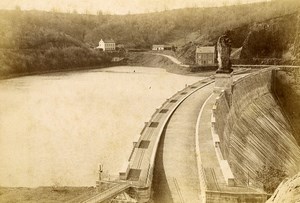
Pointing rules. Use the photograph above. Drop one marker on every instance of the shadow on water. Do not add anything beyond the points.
(160, 187)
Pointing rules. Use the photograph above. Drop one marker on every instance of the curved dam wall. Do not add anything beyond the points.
(253, 129)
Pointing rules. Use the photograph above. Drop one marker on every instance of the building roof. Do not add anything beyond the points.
(210, 49)
(108, 40)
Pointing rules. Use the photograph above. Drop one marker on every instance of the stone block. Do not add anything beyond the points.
(124, 172)
(227, 173)
(223, 81)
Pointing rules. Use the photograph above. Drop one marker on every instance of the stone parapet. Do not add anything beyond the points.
(223, 81)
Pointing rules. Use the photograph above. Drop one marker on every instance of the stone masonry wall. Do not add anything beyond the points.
(253, 129)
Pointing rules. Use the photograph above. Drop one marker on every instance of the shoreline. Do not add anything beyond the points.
(83, 68)
(150, 59)
(168, 68)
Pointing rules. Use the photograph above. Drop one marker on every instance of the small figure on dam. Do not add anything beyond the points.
(224, 51)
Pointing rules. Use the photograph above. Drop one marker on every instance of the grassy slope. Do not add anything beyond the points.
(147, 59)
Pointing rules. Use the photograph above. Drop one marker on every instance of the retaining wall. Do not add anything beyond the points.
(228, 197)
(253, 130)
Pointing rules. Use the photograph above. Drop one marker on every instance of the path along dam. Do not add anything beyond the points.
(206, 145)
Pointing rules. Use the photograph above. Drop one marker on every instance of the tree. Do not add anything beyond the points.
(270, 177)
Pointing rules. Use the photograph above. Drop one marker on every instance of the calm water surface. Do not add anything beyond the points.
(55, 129)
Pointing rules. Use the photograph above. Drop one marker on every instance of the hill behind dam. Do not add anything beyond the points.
(272, 41)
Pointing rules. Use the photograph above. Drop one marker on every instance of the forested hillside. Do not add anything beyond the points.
(25, 29)
(270, 39)
(34, 40)
(274, 38)
(28, 44)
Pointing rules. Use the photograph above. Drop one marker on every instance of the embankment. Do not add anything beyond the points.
(253, 129)
(22, 62)
(148, 59)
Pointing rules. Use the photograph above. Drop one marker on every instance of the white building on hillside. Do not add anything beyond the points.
(107, 45)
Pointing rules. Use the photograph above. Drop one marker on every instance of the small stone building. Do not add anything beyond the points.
(205, 55)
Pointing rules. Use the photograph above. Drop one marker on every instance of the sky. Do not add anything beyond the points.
(114, 6)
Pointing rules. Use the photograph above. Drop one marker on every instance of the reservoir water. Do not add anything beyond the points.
(56, 128)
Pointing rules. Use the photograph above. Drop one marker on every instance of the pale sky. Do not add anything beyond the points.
(114, 6)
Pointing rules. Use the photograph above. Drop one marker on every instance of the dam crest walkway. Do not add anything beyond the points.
(189, 165)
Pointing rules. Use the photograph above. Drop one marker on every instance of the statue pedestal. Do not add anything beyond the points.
(223, 81)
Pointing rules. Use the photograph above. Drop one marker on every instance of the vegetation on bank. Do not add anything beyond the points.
(18, 62)
(270, 177)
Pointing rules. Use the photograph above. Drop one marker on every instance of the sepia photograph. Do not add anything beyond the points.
(150, 101)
